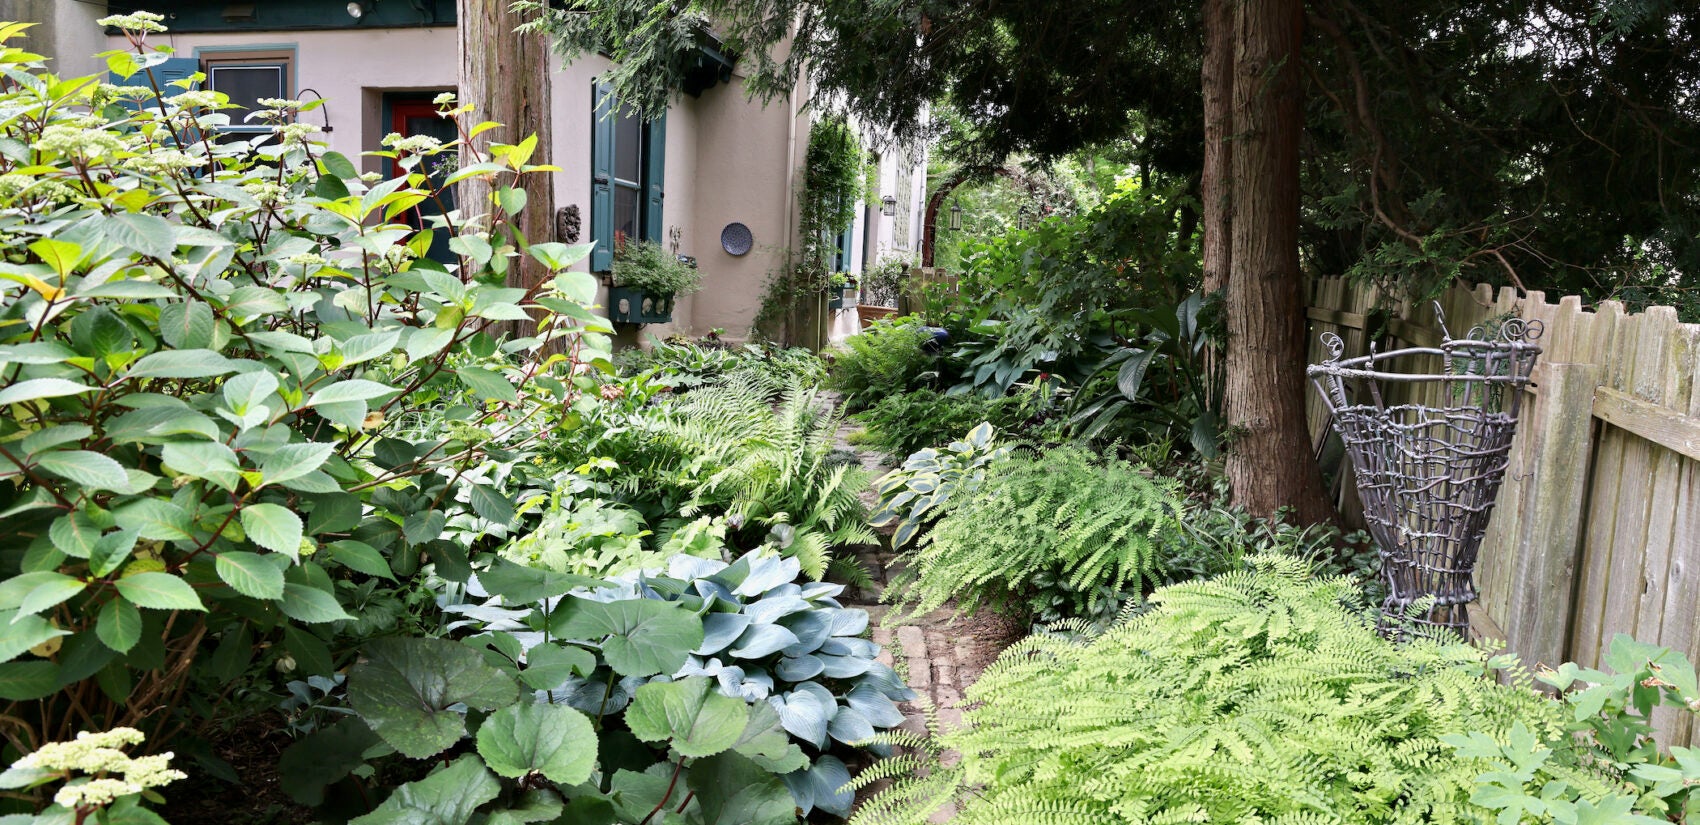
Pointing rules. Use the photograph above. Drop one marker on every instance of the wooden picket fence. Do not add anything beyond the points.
(1597, 528)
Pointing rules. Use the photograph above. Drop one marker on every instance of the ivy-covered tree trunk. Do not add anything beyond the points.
(505, 76)
(1269, 462)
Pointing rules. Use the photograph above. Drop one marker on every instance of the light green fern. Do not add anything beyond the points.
(1258, 696)
(769, 465)
(1056, 525)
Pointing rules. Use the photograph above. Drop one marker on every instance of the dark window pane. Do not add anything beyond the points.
(628, 147)
(627, 204)
(246, 85)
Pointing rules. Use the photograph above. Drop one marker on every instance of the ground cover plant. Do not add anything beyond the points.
(237, 393)
(1269, 695)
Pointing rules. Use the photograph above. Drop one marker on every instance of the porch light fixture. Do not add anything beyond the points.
(955, 215)
(888, 206)
(357, 9)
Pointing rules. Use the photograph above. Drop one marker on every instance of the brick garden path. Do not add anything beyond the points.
(941, 653)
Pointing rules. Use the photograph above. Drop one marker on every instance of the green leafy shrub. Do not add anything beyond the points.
(1059, 533)
(588, 536)
(905, 422)
(647, 266)
(213, 361)
(917, 493)
(686, 365)
(888, 357)
(1262, 695)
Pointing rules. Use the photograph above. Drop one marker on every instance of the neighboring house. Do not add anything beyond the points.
(715, 159)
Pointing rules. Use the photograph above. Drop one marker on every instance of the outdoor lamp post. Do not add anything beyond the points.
(955, 215)
(888, 206)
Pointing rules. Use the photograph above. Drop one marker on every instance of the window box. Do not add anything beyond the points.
(634, 306)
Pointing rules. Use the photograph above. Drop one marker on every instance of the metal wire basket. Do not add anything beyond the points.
(1428, 474)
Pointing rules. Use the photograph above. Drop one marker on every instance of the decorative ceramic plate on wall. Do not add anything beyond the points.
(736, 239)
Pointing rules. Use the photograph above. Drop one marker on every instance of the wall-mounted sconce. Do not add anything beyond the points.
(358, 9)
(888, 206)
(955, 215)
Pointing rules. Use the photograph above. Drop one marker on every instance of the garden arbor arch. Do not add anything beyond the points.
(967, 174)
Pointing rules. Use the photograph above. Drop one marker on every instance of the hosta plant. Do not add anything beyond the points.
(213, 357)
(917, 494)
(765, 640)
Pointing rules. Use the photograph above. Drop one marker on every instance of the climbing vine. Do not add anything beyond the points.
(833, 180)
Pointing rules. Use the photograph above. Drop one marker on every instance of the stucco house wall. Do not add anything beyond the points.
(728, 158)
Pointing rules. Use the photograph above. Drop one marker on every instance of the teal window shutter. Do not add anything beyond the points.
(172, 68)
(602, 177)
(654, 176)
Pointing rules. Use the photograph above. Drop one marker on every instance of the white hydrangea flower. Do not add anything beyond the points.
(279, 103)
(94, 793)
(138, 21)
(264, 191)
(295, 132)
(306, 259)
(71, 140)
(417, 144)
(195, 99)
(164, 160)
(444, 99)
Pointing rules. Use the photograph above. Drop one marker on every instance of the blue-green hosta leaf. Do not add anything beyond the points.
(806, 711)
(762, 640)
(639, 637)
(874, 706)
(850, 646)
(812, 628)
(772, 608)
(849, 726)
(799, 668)
(719, 630)
(690, 715)
(850, 621)
(766, 573)
(273, 527)
(405, 688)
(555, 741)
(447, 797)
(160, 591)
(250, 574)
(822, 786)
(845, 667)
(886, 681)
(89, 469)
(732, 790)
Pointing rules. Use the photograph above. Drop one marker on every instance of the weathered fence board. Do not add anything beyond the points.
(1597, 530)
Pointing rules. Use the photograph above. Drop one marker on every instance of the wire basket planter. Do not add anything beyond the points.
(1428, 475)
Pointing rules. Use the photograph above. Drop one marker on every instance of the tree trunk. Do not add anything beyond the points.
(1218, 151)
(505, 76)
(1269, 464)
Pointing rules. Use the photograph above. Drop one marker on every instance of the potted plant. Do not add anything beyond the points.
(646, 280)
(838, 284)
(881, 284)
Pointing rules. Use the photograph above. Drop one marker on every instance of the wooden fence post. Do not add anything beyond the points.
(1537, 618)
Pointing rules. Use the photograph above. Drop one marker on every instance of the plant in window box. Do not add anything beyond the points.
(646, 280)
(838, 284)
